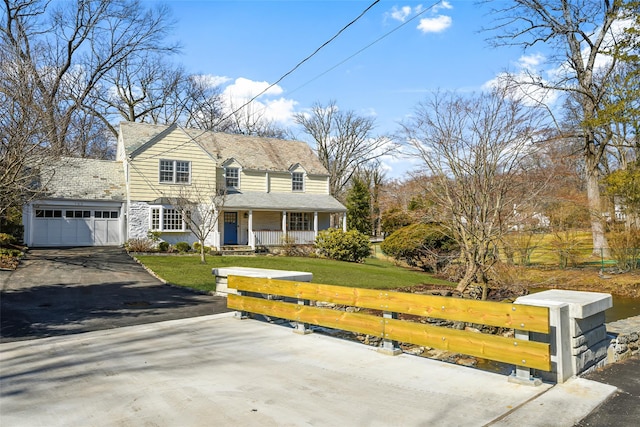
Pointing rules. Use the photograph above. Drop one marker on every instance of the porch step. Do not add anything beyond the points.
(237, 250)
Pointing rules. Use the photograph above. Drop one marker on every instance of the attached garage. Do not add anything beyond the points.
(82, 205)
(75, 226)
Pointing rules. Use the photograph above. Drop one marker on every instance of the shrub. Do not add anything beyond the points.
(625, 248)
(394, 219)
(163, 246)
(426, 246)
(7, 239)
(11, 252)
(183, 247)
(8, 262)
(139, 245)
(351, 246)
(196, 248)
(566, 244)
(154, 236)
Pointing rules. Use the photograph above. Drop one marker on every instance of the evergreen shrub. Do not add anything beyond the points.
(182, 247)
(426, 246)
(351, 246)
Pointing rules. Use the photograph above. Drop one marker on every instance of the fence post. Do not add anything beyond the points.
(389, 347)
(523, 375)
(240, 314)
(301, 327)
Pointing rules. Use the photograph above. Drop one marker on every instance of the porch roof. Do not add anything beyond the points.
(283, 202)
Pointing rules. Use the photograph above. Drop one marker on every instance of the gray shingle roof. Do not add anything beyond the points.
(252, 152)
(77, 178)
(283, 201)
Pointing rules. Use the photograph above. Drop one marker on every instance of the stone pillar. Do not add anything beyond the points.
(578, 336)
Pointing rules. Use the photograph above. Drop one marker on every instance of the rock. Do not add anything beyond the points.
(467, 361)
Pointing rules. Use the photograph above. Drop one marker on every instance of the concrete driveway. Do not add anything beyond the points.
(64, 291)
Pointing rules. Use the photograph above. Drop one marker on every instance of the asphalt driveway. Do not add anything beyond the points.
(65, 291)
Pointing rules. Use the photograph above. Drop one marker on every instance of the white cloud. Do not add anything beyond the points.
(525, 86)
(280, 110)
(210, 80)
(530, 62)
(441, 5)
(435, 25)
(242, 90)
(246, 89)
(400, 14)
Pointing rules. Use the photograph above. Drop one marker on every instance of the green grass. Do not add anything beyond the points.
(187, 271)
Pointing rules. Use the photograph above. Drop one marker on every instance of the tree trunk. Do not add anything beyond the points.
(469, 275)
(600, 245)
(203, 259)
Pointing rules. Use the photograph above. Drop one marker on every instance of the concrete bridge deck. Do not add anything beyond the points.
(217, 370)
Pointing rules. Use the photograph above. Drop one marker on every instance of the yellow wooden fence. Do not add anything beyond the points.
(520, 352)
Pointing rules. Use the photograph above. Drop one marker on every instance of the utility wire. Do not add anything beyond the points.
(304, 60)
(194, 138)
(365, 47)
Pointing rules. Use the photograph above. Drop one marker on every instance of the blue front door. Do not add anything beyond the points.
(231, 228)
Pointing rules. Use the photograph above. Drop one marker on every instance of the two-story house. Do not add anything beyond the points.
(272, 188)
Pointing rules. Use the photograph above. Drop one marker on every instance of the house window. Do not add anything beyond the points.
(174, 172)
(300, 221)
(77, 214)
(297, 181)
(106, 214)
(48, 213)
(166, 219)
(232, 177)
(172, 220)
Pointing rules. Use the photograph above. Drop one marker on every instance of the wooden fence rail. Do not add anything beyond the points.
(520, 352)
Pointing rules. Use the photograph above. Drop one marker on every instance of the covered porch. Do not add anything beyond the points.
(270, 219)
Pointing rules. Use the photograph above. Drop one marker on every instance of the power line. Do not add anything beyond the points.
(365, 47)
(304, 60)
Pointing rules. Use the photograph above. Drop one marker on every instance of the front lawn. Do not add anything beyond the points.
(186, 270)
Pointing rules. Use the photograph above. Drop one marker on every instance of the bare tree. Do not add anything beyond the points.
(21, 151)
(250, 120)
(343, 141)
(476, 152)
(67, 48)
(373, 175)
(204, 105)
(580, 32)
(200, 206)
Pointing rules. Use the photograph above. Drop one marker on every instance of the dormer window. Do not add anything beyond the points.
(232, 177)
(174, 172)
(297, 181)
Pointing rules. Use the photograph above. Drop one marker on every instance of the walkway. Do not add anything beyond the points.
(217, 370)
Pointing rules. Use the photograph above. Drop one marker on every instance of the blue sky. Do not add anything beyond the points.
(247, 45)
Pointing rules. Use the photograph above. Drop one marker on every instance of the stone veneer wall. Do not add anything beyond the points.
(625, 339)
(139, 226)
(589, 343)
(138, 220)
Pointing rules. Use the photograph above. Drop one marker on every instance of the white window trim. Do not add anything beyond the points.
(175, 172)
(225, 177)
(304, 182)
(310, 221)
(160, 228)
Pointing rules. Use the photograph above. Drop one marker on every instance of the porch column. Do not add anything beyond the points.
(315, 224)
(252, 237)
(216, 228)
(344, 222)
(284, 223)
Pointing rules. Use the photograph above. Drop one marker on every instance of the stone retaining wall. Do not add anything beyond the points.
(625, 339)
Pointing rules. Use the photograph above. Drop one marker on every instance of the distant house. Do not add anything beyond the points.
(273, 188)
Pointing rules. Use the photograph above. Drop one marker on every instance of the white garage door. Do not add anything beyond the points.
(73, 226)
